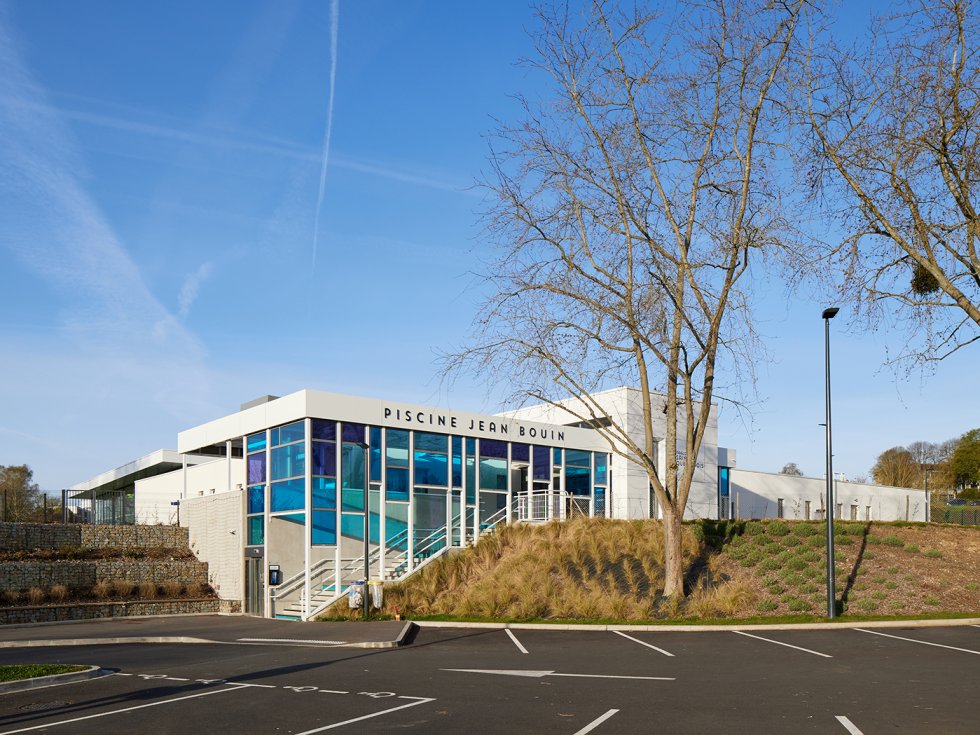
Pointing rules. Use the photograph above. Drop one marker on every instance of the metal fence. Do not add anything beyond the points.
(961, 515)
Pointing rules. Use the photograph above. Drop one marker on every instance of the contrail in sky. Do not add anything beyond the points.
(334, 24)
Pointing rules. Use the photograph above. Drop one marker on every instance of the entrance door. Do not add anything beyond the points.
(254, 587)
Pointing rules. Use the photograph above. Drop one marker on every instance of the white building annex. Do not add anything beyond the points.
(290, 486)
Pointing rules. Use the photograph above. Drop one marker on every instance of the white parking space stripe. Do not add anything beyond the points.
(596, 722)
(780, 643)
(644, 643)
(291, 640)
(516, 642)
(366, 717)
(119, 711)
(913, 640)
(848, 725)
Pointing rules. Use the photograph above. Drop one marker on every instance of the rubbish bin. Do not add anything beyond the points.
(355, 595)
(376, 586)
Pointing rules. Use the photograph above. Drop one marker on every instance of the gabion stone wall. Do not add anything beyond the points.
(23, 536)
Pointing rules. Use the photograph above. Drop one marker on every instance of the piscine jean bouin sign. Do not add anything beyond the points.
(502, 428)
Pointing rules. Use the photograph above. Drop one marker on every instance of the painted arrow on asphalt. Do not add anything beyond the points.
(540, 674)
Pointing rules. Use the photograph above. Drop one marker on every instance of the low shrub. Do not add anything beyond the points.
(102, 590)
(778, 528)
(773, 548)
(912, 548)
(148, 591)
(816, 542)
(892, 570)
(790, 540)
(973, 586)
(172, 589)
(11, 597)
(810, 556)
(930, 600)
(814, 572)
(879, 595)
(873, 540)
(58, 593)
(866, 605)
(842, 540)
(797, 563)
(893, 541)
(196, 589)
(35, 595)
(775, 588)
(766, 606)
(755, 528)
(793, 579)
(868, 555)
(934, 553)
(797, 604)
(890, 585)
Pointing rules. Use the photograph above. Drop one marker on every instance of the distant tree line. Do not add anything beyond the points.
(952, 465)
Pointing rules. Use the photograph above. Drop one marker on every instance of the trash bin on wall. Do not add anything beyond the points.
(376, 587)
(355, 595)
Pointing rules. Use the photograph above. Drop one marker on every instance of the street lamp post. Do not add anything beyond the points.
(829, 314)
(367, 526)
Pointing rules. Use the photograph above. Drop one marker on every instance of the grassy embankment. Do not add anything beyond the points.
(593, 570)
(30, 671)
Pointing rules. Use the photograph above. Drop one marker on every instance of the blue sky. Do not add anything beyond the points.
(159, 181)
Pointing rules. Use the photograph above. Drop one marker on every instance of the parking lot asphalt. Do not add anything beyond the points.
(216, 628)
(500, 681)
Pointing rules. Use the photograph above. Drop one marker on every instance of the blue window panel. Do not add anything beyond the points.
(558, 454)
(493, 474)
(577, 480)
(255, 442)
(325, 459)
(599, 506)
(289, 461)
(323, 430)
(493, 448)
(352, 432)
(352, 499)
(426, 442)
(324, 493)
(294, 432)
(397, 483)
(323, 531)
(430, 469)
(352, 526)
(352, 466)
(375, 442)
(396, 526)
(256, 499)
(578, 458)
(520, 452)
(600, 468)
(542, 466)
(470, 447)
(288, 495)
(397, 456)
(723, 481)
(397, 439)
(471, 480)
(256, 468)
(297, 518)
(457, 461)
(256, 531)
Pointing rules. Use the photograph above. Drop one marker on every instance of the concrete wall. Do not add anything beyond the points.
(216, 532)
(154, 495)
(756, 495)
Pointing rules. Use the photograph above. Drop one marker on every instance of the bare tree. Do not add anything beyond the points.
(627, 207)
(894, 126)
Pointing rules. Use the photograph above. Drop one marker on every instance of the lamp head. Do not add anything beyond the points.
(830, 313)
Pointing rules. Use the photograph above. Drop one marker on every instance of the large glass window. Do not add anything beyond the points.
(520, 452)
(256, 499)
(288, 495)
(542, 463)
(323, 430)
(600, 468)
(375, 436)
(289, 433)
(324, 492)
(396, 447)
(577, 480)
(457, 461)
(325, 458)
(430, 468)
(256, 531)
(397, 483)
(324, 527)
(255, 442)
(256, 468)
(493, 473)
(289, 461)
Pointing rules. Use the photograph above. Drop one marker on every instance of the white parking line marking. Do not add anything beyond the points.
(596, 722)
(780, 643)
(848, 725)
(332, 691)
(367, 717)
(975, 626)
(243, 684)
(290, 640)
(119, 711)
(644, 643)
(540, 674)
(913, 640)
(516, 642)
(176, 678)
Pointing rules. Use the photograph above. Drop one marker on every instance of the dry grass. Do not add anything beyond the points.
(172, 589)
(149, 591)
(35, 595)
(582, 568)
(11, 597)
(123, 587)
(102, 590)
(58, 593)
(196, 589)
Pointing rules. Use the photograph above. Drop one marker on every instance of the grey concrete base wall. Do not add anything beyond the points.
(88, 611)
(21, 575)
(22, 536)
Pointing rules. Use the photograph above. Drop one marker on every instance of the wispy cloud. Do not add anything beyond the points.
(191, 288)
(334, 34)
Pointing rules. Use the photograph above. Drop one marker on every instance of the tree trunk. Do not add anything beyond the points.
(673, 552)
